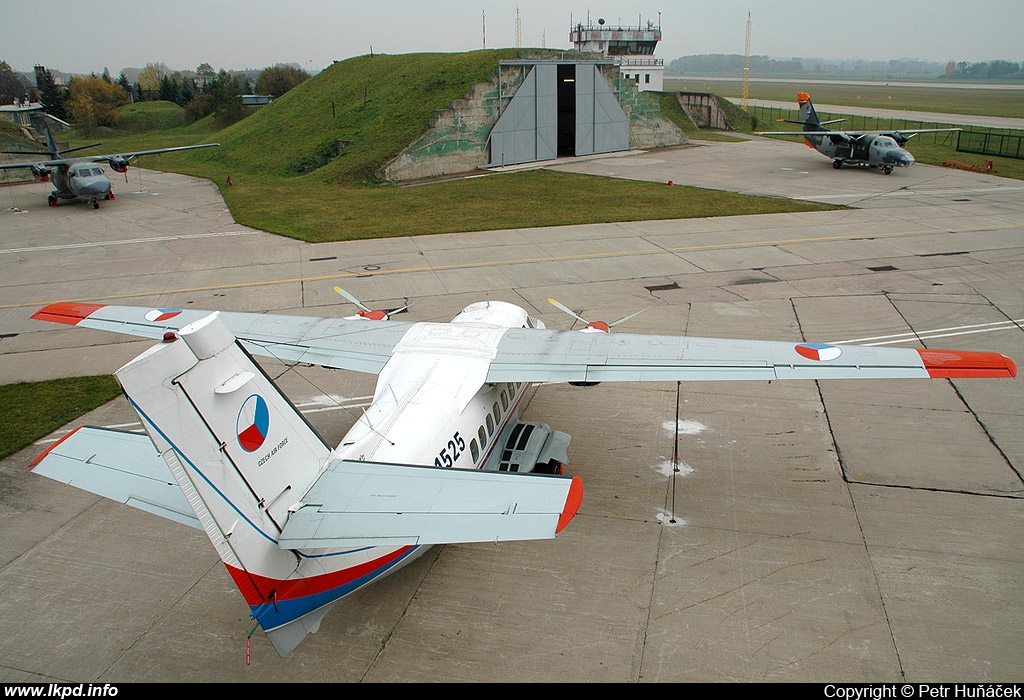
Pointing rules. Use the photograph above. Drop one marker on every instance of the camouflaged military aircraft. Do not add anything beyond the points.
(81, 177)
(875, 149)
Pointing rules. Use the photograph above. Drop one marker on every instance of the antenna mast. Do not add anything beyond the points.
(746, 67)
(519, 26)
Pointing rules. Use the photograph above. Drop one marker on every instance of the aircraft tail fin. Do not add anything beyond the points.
(808, 117)
(51, 143)
(241, 455)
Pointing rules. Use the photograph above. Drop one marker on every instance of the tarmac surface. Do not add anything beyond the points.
(748, 532)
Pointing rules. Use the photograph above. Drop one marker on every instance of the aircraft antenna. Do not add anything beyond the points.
(746, 66)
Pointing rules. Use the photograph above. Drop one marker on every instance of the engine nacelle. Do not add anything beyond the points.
(118, 164)
(40, 172)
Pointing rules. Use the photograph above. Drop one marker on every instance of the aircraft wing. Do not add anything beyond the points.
(111, 158)
(911, 132)
(353, 504)
(35, 163)
(353, 344)
(129, 155)
(573, 356)
(533, 355)
(846, 135)
(854, 135)
(122, 466)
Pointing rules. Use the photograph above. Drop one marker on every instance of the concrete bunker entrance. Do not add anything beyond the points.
(557, 109)
(566, 82)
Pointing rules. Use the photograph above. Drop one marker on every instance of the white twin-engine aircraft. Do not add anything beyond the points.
(439, 456)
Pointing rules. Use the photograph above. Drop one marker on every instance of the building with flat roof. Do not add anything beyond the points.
(21, 113)
(631, 48)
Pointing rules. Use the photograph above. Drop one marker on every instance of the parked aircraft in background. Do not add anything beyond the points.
(876, 149)
(83, 176)
(441, 454)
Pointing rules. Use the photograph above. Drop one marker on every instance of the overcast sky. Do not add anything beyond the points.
(87, 36)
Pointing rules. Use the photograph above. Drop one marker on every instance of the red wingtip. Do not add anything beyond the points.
(946, 364)
(572, 504)
(67, 312)
(51, 448)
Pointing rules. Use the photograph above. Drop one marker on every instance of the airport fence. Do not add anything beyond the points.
(1008, 143)
(993, 142)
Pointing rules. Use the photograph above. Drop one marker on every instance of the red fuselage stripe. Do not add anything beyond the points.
(298, 588)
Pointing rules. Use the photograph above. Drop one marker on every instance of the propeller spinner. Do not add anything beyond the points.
(593, 326)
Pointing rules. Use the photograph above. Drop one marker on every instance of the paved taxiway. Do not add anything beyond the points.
(859, 531)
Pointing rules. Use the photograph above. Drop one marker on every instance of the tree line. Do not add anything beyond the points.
(92, 101)
(762, 66)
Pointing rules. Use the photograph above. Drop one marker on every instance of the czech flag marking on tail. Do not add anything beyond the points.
(253, 423)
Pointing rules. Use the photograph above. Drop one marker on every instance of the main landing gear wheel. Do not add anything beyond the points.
(887, 170)
(52, 200)
(837, 164)
(95, 203)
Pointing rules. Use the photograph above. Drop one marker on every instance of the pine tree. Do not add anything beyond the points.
(51, 96)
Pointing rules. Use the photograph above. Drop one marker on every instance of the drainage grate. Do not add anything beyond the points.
(662, 287)
(883, 268)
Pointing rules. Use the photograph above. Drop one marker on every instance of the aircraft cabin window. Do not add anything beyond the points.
(496, 413)
(490, 425)
(483, 437)
(504, 400)
(474, 450)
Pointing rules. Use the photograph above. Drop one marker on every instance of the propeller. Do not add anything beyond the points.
(901, 139)
(593, 326)
(367, 312)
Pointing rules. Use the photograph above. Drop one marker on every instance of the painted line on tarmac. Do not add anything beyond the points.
(935, 333)
(657, 250)
(907, 193)
(101, 244)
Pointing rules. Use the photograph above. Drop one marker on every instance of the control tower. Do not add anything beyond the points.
(631, 48)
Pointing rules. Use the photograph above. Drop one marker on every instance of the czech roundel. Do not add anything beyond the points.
(253, 423)
(161, 314)
(818, 352)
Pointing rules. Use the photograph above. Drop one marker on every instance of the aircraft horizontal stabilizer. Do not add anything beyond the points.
(121, 466)
(362, 503)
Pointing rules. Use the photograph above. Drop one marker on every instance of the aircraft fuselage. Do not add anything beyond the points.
(879, 151)
(432, 406)
(86, 180)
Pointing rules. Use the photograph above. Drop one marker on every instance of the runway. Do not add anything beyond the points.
(784, 532)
